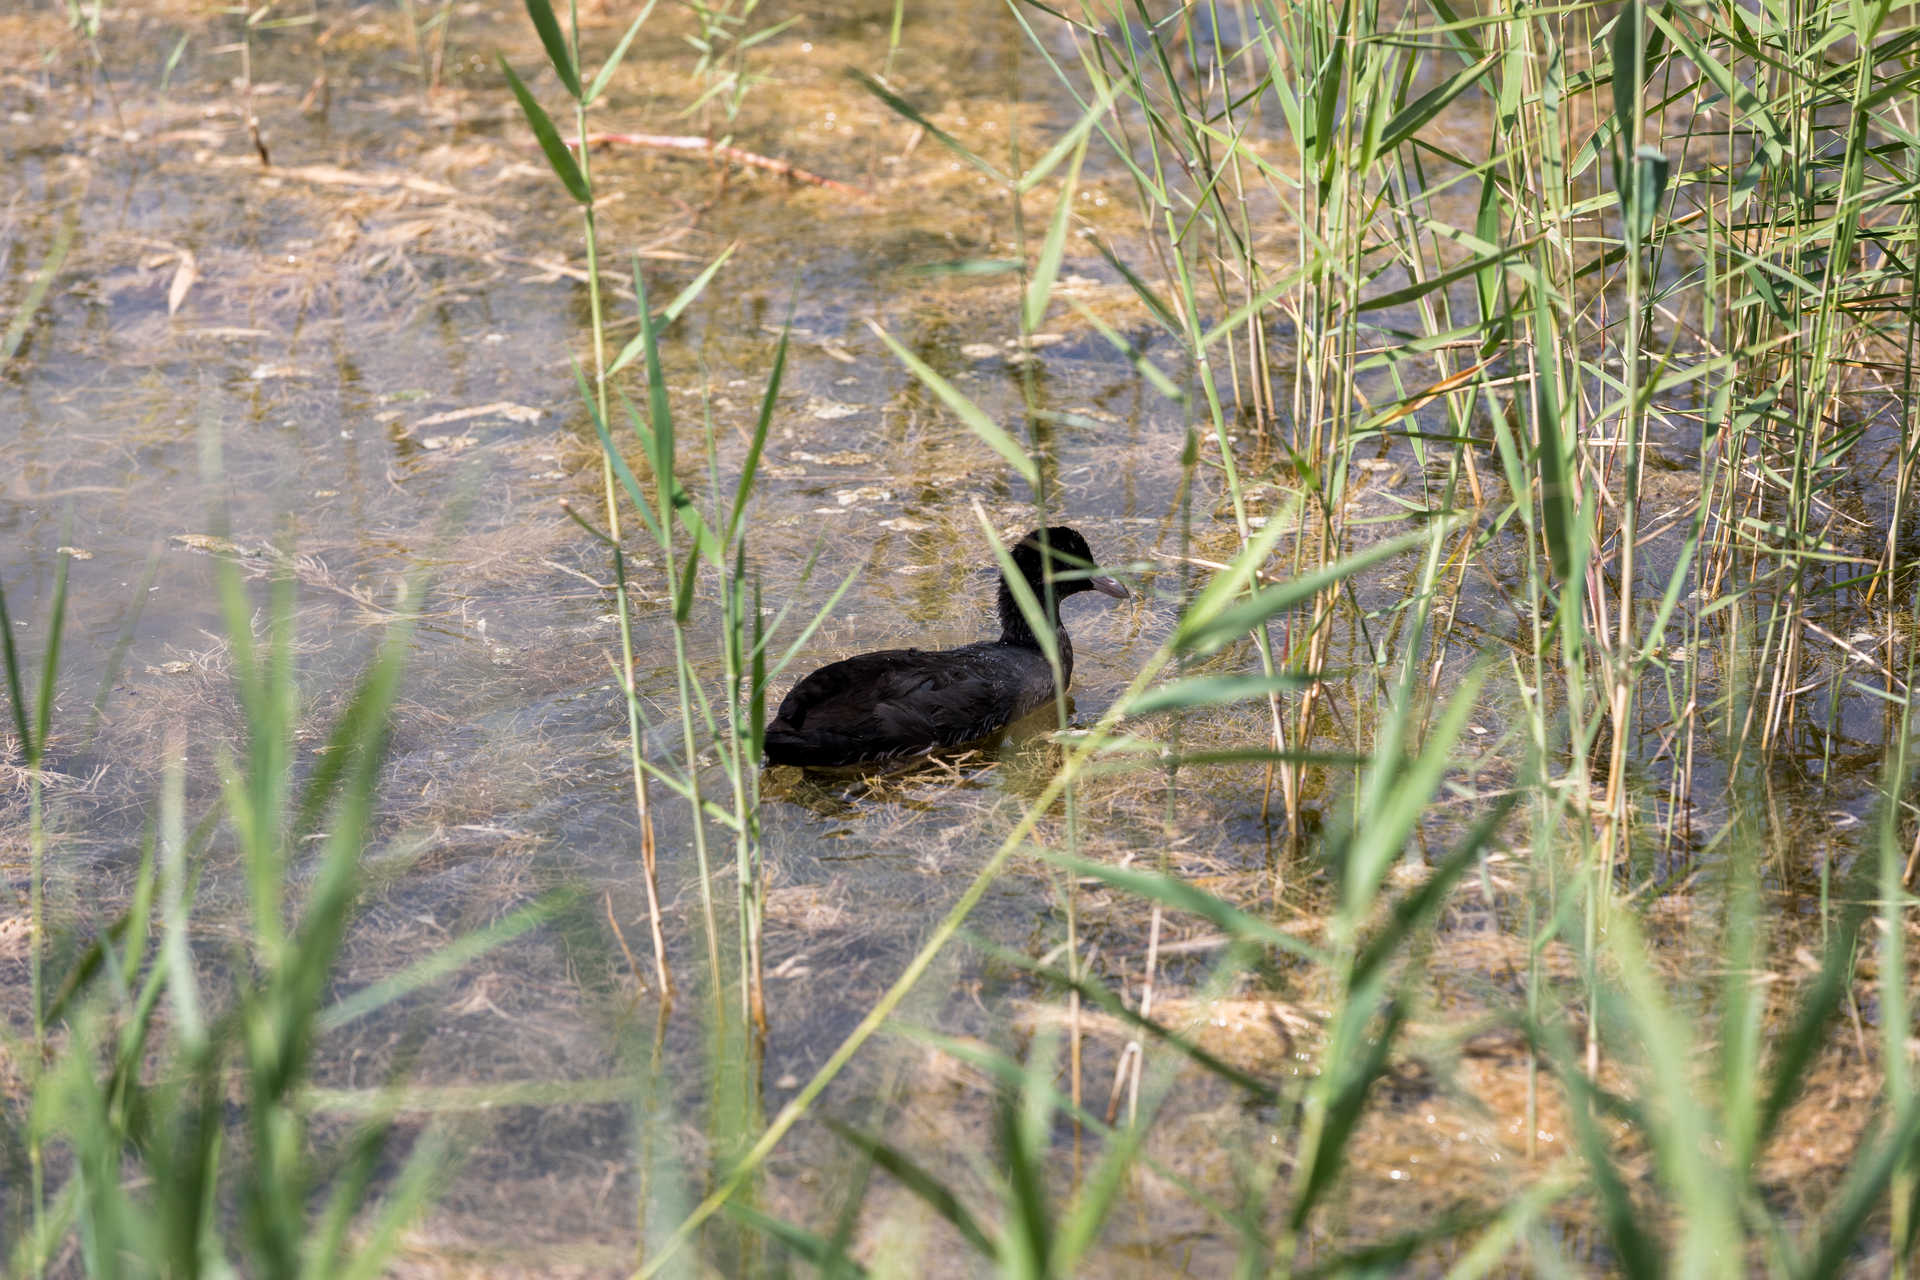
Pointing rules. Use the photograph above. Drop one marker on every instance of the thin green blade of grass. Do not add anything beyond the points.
(1329, 87)
(621, 471)
(670, 494)
(1009, 1074)
(1893, 979)
(1419, 113)
(971, 267)
(559, 158)
(1205, 204)
(419, 1181)
(1245, 567)
(1353, 1062)
(636, 345)
(1440, 280)
(853, 1203)
(326, 1244)
(15, 700)
(175, 958)
(806, 633)
(37, 289)
(1149, 298)
(656, 433)
(173, 61)
(1394, 1256)
(762, 423)
(456, 1099)
(1684, 1138)
(658, 436)
(1387, 75)
(1235, 321)
(1368, 1019)
(976, 420)
(1212, 622)
(1492, 1250)
(1137, 358)
(1638, 1253)
(1021, 1124)
(1143, 753)
(612, 64)
(189, 1154)
(757, 678)
(255, 791)
(445, 960)
(1220, 691)
(554, 41)
(1095, 76)
(1628, 68)
(1073, 142)
(1792, 1052)
(1743, 996)
(87, 966)
(901, 107)
(1047, 268)
(1412, 914)
(1178, 895)
(289, 1009)
(49, 662)
(1836, 1245)
(683, 588)
(1554, 453)
(766, 33)
(936, 1194)
(1097, 1193)
(1098, 995)
(132, 955)
(73, 1103)
(1023, 596)
(811, 1248)
(1394, 793)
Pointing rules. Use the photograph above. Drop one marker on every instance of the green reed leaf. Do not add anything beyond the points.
(558, 156)
(969, 413)
(762, 423)
(814, 1249)
(14, 697)
(1217, 691)
(637, 345)
(1178, 895)
(555, 40)
(1047, 268)
(937, 1195)
(42, 281)
(1416, 115)
(612, 63)
(902, 107)
(1212, 622)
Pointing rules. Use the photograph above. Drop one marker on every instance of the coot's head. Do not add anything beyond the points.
(1072, 563)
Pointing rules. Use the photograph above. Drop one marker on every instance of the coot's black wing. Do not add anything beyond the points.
(902, 702)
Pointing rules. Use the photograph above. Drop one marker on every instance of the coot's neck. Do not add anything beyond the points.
(1013, 622)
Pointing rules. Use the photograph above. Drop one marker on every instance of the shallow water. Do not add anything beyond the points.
(361, 358)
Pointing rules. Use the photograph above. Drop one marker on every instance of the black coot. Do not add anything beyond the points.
(905, 702)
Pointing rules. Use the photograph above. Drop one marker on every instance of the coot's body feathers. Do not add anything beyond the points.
(902, 702)
(905, 702)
